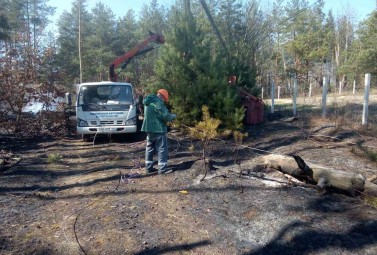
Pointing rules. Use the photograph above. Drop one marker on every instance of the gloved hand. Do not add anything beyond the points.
(173, 116)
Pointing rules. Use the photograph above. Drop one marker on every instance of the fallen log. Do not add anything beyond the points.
(325, 178)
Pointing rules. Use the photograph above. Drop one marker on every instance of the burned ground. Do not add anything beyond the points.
(65, 196)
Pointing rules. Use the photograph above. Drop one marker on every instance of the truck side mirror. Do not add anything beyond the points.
(68, 99)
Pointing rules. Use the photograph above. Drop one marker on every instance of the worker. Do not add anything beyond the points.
(156, 116)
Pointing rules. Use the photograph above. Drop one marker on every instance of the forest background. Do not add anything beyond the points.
(202, 50)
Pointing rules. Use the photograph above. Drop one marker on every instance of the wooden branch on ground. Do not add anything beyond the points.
(8, 160)
(325, 178)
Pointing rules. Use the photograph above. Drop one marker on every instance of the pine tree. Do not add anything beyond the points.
(364, 51)
(126, 37)
(98, 45)
(368, 35)
(68, 26)
(193, 73)
(152, 18)
(206, 130)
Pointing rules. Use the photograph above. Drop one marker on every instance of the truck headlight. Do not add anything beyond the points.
(82, 123)
(131, 121)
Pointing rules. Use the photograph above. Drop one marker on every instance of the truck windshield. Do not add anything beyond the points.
(105, 97)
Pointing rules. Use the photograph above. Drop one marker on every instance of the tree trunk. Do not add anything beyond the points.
(325, 178)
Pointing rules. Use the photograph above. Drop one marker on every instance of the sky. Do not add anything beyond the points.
(359, 8)
(119, 7)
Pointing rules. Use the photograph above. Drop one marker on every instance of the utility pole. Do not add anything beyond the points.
(80, 59)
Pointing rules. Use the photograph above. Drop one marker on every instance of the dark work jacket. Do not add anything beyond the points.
(156, 115)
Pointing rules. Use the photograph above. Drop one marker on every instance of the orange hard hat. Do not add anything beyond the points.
(164, 93)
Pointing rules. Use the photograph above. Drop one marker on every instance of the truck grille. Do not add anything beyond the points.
(106, 123)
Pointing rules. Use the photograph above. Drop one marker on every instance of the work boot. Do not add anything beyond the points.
(151, 171)
(166, 171)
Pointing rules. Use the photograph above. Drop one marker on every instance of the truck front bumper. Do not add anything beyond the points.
(107, 130)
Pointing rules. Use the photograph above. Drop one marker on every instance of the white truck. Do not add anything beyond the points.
(105, 107)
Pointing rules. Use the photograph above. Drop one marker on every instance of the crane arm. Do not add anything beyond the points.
(140, 49)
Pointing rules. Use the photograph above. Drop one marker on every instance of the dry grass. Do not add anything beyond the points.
(371, 201)
(54, 158)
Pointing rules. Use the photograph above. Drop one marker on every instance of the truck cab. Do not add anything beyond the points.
(106, 108)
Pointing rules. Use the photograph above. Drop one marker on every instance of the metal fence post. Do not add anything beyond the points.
(324, 96)
(272, 95)
(295, 94)
(310, 90)
(366, 99)
(279, 87)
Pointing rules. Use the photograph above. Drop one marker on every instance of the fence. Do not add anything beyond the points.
(309, 101)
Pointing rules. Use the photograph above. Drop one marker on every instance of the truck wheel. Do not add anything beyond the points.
(86, 138)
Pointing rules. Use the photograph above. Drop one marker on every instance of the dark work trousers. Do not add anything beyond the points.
(156, 143)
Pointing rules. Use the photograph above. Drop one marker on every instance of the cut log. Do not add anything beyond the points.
(325, 178)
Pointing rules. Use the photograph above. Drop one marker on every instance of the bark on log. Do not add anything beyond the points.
(325, 178)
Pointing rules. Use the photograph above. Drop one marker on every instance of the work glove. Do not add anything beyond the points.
(174, 116)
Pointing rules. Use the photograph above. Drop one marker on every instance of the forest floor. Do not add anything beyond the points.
(65, 196)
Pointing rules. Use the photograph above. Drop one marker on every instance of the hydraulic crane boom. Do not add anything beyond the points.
(126, 58)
